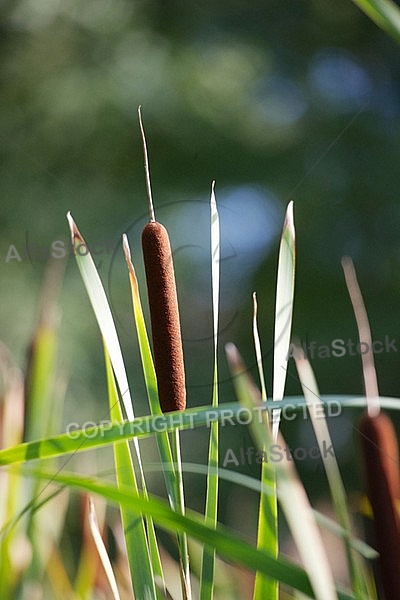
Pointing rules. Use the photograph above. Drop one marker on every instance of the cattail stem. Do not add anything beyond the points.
(146, 167)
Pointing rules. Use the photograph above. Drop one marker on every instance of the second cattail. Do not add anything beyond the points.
(164, 311)
(381, 469)
(380, 454)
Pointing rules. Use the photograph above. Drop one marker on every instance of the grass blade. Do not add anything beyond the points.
(211, 508)
(257, 347)
(106, 324)
(267, 539)
(254, 484)
(101, 549)
(180, 507)
(105, 321)
(227, 544)
(338, 494)
(283, 310)
(384, 13)
(364, 334)
(137, 544)
(292, 496)
(60, 583)
(43, 414)
(89, 559)
(99, 302)
(40, 376)
(11, 432)
(80, 440)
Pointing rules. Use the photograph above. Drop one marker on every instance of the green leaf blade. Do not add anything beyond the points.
(384, 13)
(137, 545)
(211, 507)
(267, 531)
(283, 310)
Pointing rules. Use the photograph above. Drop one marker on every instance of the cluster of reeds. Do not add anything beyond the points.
(33, 513)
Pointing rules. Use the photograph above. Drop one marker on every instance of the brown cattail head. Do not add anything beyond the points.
(164, 314)
(381, 463)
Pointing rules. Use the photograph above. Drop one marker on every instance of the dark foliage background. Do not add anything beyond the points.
(276, 101)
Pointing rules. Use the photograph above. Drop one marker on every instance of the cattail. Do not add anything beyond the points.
(380, 454)
(163, 302)
(381, 465)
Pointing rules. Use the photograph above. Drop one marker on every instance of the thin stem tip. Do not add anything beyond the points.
(146, 166)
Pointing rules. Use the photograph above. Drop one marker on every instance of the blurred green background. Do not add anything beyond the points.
(276, 101)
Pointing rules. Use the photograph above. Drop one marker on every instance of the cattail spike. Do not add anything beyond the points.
(146, 167)
(381, 471)
(163, 304)
(164, 315)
